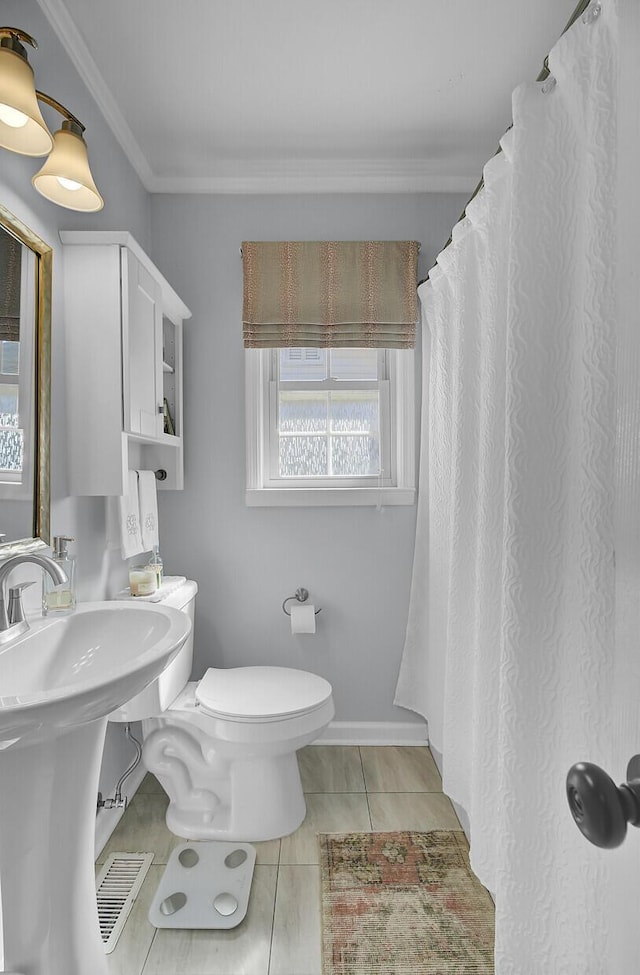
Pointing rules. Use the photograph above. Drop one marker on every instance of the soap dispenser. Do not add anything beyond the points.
(60, 599)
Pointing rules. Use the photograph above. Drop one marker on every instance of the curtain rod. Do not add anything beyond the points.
(544, 74)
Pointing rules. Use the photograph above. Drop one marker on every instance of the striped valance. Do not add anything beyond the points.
(338, 294)
(10, 268)
(9, 329)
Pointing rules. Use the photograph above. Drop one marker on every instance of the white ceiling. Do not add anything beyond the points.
(307, 95)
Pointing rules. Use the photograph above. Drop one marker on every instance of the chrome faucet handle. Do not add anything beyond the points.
(11, 626)
(15, 610)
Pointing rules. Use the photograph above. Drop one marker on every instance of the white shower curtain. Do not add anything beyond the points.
(511, 648)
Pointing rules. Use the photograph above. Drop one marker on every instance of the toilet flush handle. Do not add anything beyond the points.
(601, 809)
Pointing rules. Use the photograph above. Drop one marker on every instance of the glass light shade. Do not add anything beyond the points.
(22, 127)
(65, 178)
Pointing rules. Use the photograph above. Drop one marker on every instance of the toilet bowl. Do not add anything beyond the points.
(224, 748)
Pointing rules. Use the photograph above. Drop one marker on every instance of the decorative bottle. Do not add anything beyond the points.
(156, 565)
(61, 599)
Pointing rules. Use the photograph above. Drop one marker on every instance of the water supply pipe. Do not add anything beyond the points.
(118, 802)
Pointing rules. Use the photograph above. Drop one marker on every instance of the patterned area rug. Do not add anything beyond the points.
(403, 904)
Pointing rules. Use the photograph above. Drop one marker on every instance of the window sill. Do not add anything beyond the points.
(327, 497)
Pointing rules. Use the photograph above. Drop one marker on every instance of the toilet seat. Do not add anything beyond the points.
(260, 694)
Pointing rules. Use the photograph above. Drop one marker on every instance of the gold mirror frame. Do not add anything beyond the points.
(42, 387)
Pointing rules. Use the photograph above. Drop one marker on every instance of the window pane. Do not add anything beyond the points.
(303, 412)
(358, 415)
(9, 357)
(357, 456)
(303, 456)
(354, 365)
(9, 403)
(11, 443)
(355, 412)
(330, 432)
(300, 365)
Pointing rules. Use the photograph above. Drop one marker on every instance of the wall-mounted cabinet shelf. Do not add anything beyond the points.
(124, 364)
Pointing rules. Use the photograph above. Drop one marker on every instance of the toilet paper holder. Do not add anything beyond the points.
(301, 595)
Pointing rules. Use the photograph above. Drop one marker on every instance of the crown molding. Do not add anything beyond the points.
(319, 176)
(254, 176)
(73, 42)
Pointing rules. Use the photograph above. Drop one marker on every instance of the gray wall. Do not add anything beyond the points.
(355, 562)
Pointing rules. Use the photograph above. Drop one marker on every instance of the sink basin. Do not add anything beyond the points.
(74, 669)
(58, 683)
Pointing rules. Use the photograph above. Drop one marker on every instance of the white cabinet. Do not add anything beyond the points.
(142, 348)
(123, 332)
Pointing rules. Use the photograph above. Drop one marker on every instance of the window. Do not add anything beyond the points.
(11, 434)
(329, 407)
(330, 426)
(17, 376)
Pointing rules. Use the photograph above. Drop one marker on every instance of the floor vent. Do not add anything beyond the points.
(116, 889)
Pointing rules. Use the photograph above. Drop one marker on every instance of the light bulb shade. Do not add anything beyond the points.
(65, 178)
(29, 135)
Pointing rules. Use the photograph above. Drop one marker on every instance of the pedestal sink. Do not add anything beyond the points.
(58, 683)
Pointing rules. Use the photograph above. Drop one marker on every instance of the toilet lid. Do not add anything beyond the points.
(261, 693)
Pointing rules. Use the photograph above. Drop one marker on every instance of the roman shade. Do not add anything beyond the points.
(10, 264)
(330, 294)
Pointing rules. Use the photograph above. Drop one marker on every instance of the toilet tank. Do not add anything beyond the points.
(160, 693)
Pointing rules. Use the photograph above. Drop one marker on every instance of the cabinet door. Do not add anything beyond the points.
(142, 348)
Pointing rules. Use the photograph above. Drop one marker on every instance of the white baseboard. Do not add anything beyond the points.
(108, 819)
(375, 733)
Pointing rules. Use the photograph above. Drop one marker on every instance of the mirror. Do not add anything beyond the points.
(25, 386)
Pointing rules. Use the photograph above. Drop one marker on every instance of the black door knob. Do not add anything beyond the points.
(601, 809)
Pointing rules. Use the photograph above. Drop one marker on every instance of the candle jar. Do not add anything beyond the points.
(143, 581)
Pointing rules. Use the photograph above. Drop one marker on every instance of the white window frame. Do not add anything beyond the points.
(395, 488)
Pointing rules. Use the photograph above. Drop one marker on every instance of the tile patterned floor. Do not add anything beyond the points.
(346, 788)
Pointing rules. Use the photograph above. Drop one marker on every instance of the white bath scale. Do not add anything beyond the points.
(204, 885)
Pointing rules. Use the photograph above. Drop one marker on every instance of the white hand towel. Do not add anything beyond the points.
(130, 534)
(148, 500)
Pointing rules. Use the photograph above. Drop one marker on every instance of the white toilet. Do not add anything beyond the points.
(224, 748)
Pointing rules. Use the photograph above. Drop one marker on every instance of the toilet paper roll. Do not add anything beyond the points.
(303, 619)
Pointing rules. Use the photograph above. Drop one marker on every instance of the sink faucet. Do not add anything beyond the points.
(12, 621)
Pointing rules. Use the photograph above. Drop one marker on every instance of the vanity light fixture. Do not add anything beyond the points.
(65, 178)
(22, 127)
